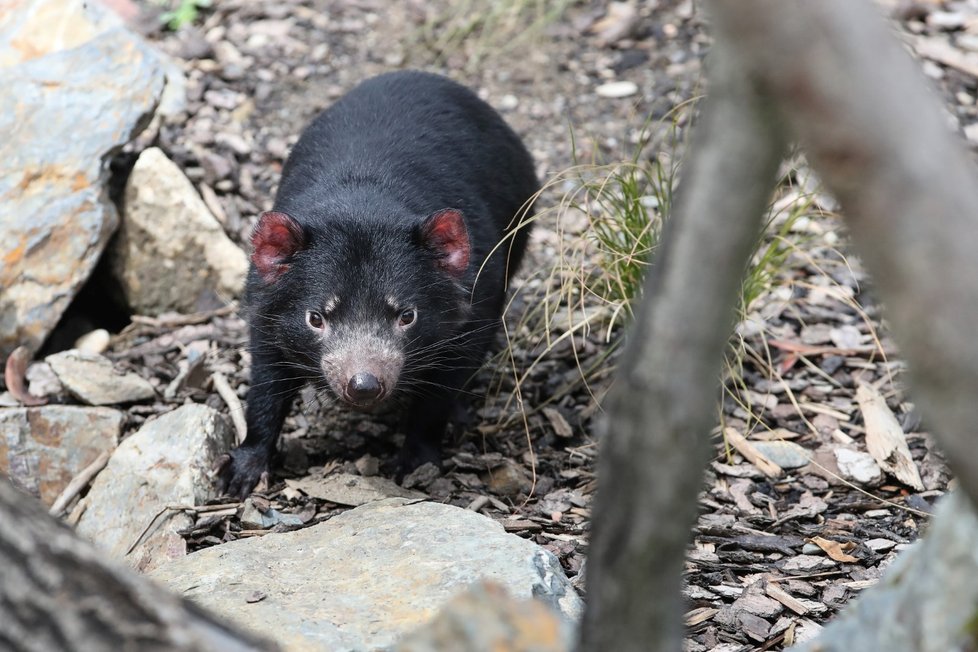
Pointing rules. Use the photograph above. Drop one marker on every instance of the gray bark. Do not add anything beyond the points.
(58, 592)
(876, 135)
(662, 406)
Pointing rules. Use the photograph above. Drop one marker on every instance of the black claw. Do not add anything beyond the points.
(241, 471)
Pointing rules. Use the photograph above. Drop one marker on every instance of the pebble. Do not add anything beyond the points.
(95, 341)
(616, 90)
(946, 20)
(508, 102)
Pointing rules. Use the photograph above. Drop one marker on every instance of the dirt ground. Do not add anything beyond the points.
(258, 72)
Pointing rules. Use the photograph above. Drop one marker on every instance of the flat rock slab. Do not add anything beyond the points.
(171, 253)
(93, 379)
(352, 490)
(64, 114)
(165, 463)
(366, 577)
(43, 448)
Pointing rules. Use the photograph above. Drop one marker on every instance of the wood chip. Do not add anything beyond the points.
(885, 439)
(700, 615)
(558, 422)
(751, 454)
(785, 598)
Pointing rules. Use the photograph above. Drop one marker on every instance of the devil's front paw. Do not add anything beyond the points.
(242, 469)
(415, 455)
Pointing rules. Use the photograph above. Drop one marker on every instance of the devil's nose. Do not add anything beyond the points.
(363, 388)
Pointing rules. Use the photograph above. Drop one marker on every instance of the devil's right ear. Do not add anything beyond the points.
(276, 238)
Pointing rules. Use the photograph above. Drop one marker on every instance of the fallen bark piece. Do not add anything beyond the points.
(885, 439)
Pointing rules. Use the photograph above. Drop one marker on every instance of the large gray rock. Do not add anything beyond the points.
(64, 114)
(165, 463)
(171, 253)
(366, 577)
(34, 28)
(43, 448)
(93, 379)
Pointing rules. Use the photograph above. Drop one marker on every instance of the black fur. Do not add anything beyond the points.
(361, 181)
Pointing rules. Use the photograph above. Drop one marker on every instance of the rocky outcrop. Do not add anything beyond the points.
(65, 113)
(43, 448)
(165, 464)
(171, 253)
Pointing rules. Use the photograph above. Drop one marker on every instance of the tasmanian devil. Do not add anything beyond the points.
(380, 274)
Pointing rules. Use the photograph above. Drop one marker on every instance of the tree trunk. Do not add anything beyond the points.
(663, 404)
(58, 592)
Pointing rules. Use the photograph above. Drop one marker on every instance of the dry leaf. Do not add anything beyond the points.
(885, 439)
(835, 550)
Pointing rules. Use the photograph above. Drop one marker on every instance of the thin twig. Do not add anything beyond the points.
(78, 482)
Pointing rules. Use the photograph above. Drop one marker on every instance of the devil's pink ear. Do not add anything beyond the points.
(274, 241)
(444, 233)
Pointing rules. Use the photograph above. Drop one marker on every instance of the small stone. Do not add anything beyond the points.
(846, 337)
(507, 480)
(508, 102)
(368, 465)
(254, 518)
(858, 467)
(42, 381)
(971, 132)
(880, 545)
(93, 379)
(967, 42)
(96, 341)
(421, 476)
(786, 454)
(616, 90)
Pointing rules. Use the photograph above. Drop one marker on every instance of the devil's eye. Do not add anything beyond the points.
(407, 317)
(315, 320)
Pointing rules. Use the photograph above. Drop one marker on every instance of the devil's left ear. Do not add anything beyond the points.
(445, 234)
